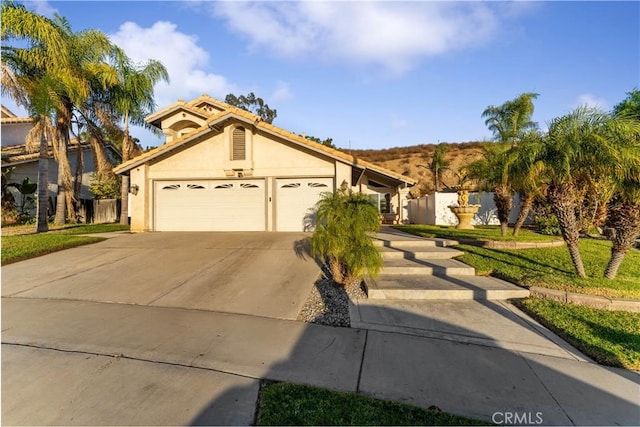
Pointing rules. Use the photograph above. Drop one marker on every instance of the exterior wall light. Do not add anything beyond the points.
(133, 189)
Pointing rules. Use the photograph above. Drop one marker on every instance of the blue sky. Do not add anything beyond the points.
(378, 74)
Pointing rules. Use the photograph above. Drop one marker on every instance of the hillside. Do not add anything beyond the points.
(413, 161)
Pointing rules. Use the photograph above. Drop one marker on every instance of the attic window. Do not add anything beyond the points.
(238, 144)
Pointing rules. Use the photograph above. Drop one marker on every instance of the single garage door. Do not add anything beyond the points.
(210, 205)
(296, 199)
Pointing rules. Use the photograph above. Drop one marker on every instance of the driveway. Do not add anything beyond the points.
(261, 274)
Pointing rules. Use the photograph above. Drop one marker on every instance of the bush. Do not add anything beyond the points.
(544, 221)
(342, 236)
(105, 187)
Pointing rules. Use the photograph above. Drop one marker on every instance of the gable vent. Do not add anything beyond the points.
(238, 151)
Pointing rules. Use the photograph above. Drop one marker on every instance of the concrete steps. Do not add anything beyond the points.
(416, 268)
(442, 288)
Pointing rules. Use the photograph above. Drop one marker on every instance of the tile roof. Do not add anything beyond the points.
(231, 111)
(14, 154)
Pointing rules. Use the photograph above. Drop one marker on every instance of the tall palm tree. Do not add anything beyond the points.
(86, 53)
(509, 122)
(27, 78)
(133, 98)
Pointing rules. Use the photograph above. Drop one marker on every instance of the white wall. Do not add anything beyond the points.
(433, 209)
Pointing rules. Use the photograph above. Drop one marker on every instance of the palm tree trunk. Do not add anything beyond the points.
(336, 271)
(124, 188)
(625, 219)
(562, 200)
(525, 207)
(42, 224)
(503, 200)
(613, 264)
(65, 200)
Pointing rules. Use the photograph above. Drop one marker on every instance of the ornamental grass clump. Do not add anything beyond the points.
(342, 239)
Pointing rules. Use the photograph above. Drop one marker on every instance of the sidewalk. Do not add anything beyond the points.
(129, 364)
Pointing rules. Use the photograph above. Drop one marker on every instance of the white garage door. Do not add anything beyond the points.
(295, 201)
(211, 205)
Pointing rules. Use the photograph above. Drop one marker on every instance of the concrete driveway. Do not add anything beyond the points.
(261, 274)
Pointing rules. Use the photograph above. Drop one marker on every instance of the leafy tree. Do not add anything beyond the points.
(630, 106)
(342, 236)
(132, 97)
(252, 104)
(439, 164)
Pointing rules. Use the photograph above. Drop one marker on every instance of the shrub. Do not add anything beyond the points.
(342, 236)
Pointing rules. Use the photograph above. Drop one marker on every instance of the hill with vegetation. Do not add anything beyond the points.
(413, 162)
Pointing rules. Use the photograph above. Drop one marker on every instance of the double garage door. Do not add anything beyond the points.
(237, 205)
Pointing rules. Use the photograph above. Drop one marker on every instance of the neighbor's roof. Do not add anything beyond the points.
(229, 112)
(7, 116)
(17, 154)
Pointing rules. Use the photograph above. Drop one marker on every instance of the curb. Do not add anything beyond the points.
(593, 301)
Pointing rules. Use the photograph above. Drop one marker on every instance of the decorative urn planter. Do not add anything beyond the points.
(464, 211)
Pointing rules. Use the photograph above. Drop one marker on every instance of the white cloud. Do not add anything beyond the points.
(281, 93)
(180, 53)
(41, 8)
(391, 35)
(592, 101)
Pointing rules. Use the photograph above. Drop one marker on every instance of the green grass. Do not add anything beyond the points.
(609, 337)
(480, 232)
(289, 404)
(552, 268)
(548, 267)
(26, 246)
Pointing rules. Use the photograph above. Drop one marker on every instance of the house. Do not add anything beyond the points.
(223, 169)
(19, 163)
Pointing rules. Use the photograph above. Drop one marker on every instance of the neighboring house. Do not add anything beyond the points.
(223, 169)
(24, 163)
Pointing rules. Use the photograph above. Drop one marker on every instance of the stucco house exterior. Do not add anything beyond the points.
(223, 169)
(23, 163)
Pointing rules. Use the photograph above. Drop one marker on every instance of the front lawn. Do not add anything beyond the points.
(552, 268)
(609, 337)
(480, 232)
(20, 247)
(288, 404)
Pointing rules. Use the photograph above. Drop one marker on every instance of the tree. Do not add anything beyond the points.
(624, 210)
(28, 76)
(132, 97)
(254, 105)
(630, 106)
(509, 123)
(575, 147)
(439, 164)
(341, 238)
(328, 142)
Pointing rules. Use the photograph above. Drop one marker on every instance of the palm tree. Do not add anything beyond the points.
(344, 222)
(525, 175)
(624, 210)
(492, 174)
(132, 97)
(576, 146)
(86, 53)
(439, 164)
(27, 78)
(509, 122)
